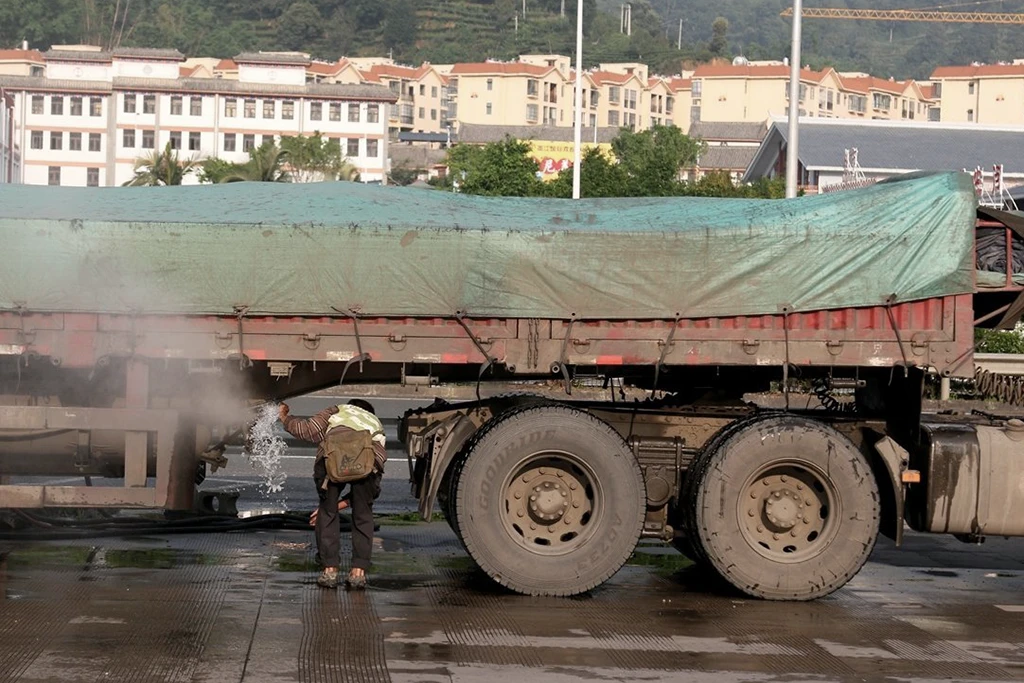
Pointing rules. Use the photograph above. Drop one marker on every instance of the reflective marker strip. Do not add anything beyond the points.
(11, 350)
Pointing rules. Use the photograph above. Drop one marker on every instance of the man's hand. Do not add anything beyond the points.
(342, 504)
(283, 411)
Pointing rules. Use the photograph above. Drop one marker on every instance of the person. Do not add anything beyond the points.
(358, 415)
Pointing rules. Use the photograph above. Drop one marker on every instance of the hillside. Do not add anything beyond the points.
(462, 30)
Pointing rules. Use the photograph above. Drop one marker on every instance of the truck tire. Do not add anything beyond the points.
(783, 508)
(550, 501)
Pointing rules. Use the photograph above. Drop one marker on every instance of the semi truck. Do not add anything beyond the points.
(138, 326)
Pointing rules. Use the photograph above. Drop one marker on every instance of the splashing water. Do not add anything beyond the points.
(265, 449)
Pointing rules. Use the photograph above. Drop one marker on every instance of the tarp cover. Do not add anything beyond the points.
(310, 249)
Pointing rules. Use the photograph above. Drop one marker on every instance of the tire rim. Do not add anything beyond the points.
(788, 511)
(552, 503)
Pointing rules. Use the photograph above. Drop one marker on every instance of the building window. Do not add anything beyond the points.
(880, 101)
(76, 106)
(433, 115)
(288, 110)
(95, 106)
(56, 106)
(129, 103)
(176, 105)
(695, 113)
(195, 141)
(970, 118)
(37, 104)
(532, 87)
(433, 91)
(149, 104)
(248, 142)
(230, 107)
(92, 177)
(490, 84)
(352, 148)
(316, 111)
(195, 106)
(423, 112)
(148, 139)
(531, 112)
(373, 113)
(613, 118)
(489, 108)
(335, 111)
(593, 120)
(128, 139)
(371, 148)
(74, 142)
(268, 140)
(630, 102)
(249, 110)
(37, 139)
(423, 89)
(229, 142)
(95, 142)
(57, 140)
(175, 140)
(970, 88)
(269, 109)
(353, 113)
(670, 103)
(54, 175)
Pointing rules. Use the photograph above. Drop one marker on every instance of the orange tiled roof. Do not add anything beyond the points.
(755, 71)
(677, 84)
(226, 65)
(507, 68)
(865, 85)
(21, 56)
(979, 70)
(927, 91)
(186, 71)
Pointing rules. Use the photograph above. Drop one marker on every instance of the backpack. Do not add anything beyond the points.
(348, 454)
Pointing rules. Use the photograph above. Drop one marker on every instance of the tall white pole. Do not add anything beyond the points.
(577, 132)
(792, 157)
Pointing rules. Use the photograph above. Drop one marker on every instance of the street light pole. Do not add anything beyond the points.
(792, 157)
(578, 104)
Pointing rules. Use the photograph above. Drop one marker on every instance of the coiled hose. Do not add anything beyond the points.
(1005, 388)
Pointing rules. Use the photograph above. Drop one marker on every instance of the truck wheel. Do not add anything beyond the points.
(784, 508)
(550, 501)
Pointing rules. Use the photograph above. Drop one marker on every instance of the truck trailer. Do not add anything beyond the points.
(139, 326)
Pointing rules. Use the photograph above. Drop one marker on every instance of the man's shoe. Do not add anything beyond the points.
(356, 583)
(328, 578)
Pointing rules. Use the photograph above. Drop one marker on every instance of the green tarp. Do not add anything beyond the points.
(310, 249)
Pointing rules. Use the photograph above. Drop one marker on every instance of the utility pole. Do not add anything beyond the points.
(679, 43)
(792, 156)
(563, 9)
(577, 133)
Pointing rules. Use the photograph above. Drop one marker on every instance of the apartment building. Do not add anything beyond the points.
(422, 94)
(23, 62)
(748, 92)
(981, 93)
(509, 94)
(88, 118)
(681, 89)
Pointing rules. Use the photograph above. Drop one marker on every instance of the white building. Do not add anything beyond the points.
(94, 113)
(10, 155)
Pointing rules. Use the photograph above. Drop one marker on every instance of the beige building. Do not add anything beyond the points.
(509, 94)
(422, 92)
(22, 62)
(988, 93)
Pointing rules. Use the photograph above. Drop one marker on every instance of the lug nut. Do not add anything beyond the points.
(764, 481)
(533, 497)
(793, 533)
(542, 471)
(518, 495)
(775, 536)
(520, 513)
(799, 487)
(575, 505)
(750, 513)
(760, 529)
(783, 478)
(753, 495)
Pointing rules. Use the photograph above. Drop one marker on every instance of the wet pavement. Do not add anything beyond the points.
(245, 607)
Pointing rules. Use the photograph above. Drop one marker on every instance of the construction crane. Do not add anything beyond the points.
(908, 15)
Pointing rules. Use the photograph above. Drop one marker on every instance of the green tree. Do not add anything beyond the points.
(266, 165)
(162, 168)
(215, 170)
(600, 176)
(313, 157)
(652, 159)
(400, 24)
(719, 36)
(502, 168)
(300, 26)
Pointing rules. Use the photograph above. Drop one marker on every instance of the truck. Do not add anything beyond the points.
(139, 326)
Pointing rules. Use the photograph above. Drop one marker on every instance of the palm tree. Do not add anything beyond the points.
(265, 165)
(162, 168)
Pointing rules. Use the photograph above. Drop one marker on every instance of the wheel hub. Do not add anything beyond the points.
(783, 508)
(549, 500)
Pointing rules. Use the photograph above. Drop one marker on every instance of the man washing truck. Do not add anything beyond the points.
(356, 416)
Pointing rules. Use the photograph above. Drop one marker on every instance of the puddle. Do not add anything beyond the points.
(664, 564)
(49, 556)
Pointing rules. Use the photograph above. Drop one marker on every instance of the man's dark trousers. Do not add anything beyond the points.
(328, 539)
